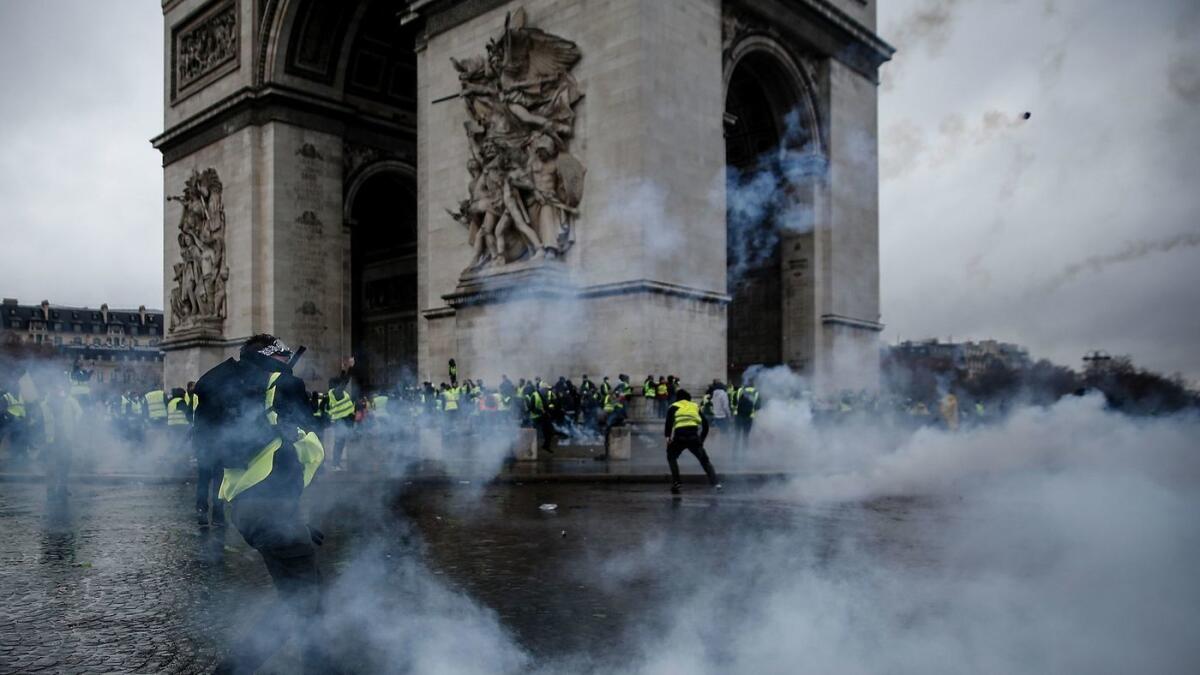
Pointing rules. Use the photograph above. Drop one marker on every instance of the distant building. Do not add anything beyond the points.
(973, 358)
(121, 346)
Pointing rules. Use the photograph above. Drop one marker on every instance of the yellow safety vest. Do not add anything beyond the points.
(687, 414)
(175, 415)
(191, 400)
(156, 406)
(612, 403)
(661, 390)
(536, 405)
(451, 397)
(339, 408)
(308, 449)
(379, 406)
(648, 389)
(135, 406)
(16, 406)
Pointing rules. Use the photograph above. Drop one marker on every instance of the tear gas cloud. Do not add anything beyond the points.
(1059, 539)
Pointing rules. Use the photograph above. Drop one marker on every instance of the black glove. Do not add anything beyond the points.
(317, 536)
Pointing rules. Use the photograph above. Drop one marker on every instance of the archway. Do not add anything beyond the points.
(383, 276)
(772, 160)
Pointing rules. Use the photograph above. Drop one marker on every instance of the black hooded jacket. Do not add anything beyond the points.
(231, 425)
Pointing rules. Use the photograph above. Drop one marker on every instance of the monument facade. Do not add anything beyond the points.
(533, 188)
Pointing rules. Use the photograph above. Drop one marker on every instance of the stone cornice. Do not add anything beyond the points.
(250, 106)
(806, 28)
(859, 32)
(851, 322)
(544, 281)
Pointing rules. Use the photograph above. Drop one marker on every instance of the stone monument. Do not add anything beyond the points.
(538, 188)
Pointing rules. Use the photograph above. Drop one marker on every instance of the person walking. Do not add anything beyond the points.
(339, 410)
(660, 397)
(686, 428)
(253, 415)
(745, 407)
(179, 421)
(720, 407)
(61, 417)
(15, 424)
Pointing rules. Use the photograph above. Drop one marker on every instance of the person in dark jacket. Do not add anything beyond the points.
(247, 407)
(686, 428)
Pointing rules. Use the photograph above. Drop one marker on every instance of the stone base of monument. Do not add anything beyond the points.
(525, 448)
(620, 444)
(193, 349)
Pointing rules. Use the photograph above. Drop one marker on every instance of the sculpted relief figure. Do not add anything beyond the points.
(525, 187)
(199, 291)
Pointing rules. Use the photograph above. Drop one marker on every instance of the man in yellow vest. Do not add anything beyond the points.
(61, 417)
(339, 409)
(13, 422)
(179, 422)
(613, 406)
(252, 420)
(156, 407)
(746, 403)
(686, 428)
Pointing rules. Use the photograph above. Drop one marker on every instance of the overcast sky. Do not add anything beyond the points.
(1077, 229)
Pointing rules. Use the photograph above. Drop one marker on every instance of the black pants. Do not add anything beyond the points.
(741, 432)
(545, 427)
(208, 483)
(689, 439)
(275, 528)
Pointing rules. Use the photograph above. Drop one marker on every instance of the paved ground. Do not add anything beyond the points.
(119, 579)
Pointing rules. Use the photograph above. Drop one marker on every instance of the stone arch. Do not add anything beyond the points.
(794, 84)
(355, 181)
(345, 49)
(773, 129)
(380, 211)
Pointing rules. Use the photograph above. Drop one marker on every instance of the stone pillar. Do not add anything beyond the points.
(282, 212)
(848, 295)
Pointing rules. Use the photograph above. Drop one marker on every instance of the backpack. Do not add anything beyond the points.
(230, 422)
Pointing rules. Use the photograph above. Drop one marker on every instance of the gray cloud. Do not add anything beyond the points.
(1069, 231)
(81, 186)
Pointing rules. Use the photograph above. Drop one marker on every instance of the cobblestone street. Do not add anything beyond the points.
(119, 578)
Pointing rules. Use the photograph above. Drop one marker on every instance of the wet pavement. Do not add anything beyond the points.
(120, 579)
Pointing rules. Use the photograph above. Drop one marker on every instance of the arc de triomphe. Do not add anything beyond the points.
(533, 188)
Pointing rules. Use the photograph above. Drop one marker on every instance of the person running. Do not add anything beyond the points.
(686, 428)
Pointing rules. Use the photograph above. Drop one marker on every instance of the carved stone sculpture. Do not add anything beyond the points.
(204, 46)
(525, 187)
(198, 295)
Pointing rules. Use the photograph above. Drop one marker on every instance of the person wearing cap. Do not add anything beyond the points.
(254, 422)
(686, 428)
